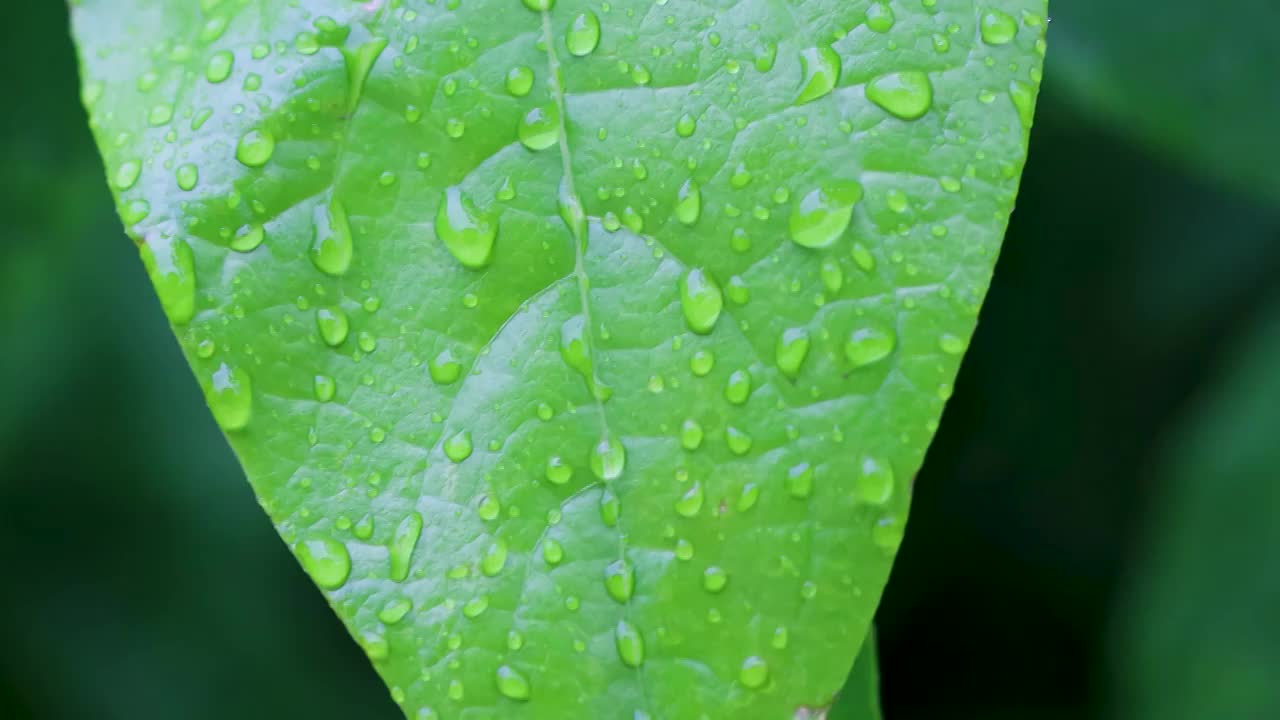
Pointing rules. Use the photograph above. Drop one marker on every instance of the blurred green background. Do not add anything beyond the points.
(1096, 533)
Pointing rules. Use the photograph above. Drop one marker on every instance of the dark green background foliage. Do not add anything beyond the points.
(1096, 513)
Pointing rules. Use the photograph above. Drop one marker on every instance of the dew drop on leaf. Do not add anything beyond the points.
(821, 66)
(230, 397)
(820, 217)
(907, 95)
(468, 235)
(325, 560)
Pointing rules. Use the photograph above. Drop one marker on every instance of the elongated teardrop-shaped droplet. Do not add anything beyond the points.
(230, 397)
(467, 234)
(540, 127)
(512, 684)
(689, 203)
(690, 504)
(907, 95)
(325, 560)
(608, 459)
(792, 349)
(701, 299)
(359, 62)
(821, 67)
(819, 218)
(172, 269)
(868, 345)
(331, 245)
(402, 545)
(495, 558)
(584, 34)
(575, 350)
(630, 644)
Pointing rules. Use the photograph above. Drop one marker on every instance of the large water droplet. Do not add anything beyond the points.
(171, 267)
(495, 558)
(874, 483)
(444, 368)
(738, 388)
(325, 560)
(998, 28)
(558, 471)
(331, 245)
(688, 206)
(402, 545)
(467, 234)
(608, 459)
(630, 644)
(868, 345)
(333, 324)
(701, 300)
(754, 672)
(255, 148)
(821, 217)
(584, 34)
(519, 80)
(821, 67)
(540, 127)
(880, 17)
(248, 238)
(552, 552)
(230, 397)
(458, 447)
(619, 580)
(907, 95)
(512, 684)
(126, 174)
(791, 351)
(219, 66)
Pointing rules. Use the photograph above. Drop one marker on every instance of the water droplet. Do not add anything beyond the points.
(325, 560)
(739, 442)
(821, 67)
(444, 368)
(583, 35)
(688, 206)
(552, 552)
(324, 387)
(887, 533)
(512, 684)
(127, 174)
(359, 62)
(540, 127)
(230, 397)
(630, 644)
(738, 389)
(714, 579)
(333, 325)
(490, 507)
(331, 245)
(558, 471)
(519, 80)
(171, 267)
(608, 458)
(822, 216)
(619, 580)
(754, 672)
(701, 300)
(219, 67)
(907, 95)
(749, 497)
(690, 435)
(458, 447)
(780, 638)
(686, 125)
(476, 606)
(791, 351)
(255, 148)
(402, 545)
(187, 175)
(690, 504)
(799, 481)
(874, 483)
(1024, 101)
(951, 344)
(880, 17)
(575, 350)
(702, 363)
(495, 558)
(467, 234)
(868, 345)
(610, 508)
(364, 527)
(395, 610)
(998, 28)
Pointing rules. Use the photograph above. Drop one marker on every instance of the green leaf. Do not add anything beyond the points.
(583, 354)
(1194, 80)
(860, 698)
(1198, 622)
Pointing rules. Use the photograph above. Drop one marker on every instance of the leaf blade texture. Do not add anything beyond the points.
(582, 353)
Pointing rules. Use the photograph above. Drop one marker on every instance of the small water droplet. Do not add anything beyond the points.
(690, 435)
(608, 459)
(458, 447)
(688, 206)
(558, 471)
(444, 368)
(630, 644)
(395, 610)
(495, 558)
(998, 28)
(512, 684)
(171, 267)
(754, 672)
(230, 397)
(690, 504)
(874, 483)
(552, 552)
(619, 580)
(799, 481)
(519, 80)
(738, 389)
(539, 129)
(791, 351)
(333, 324)
(686, 125)
(255, 148)
(402, 545)
(714, 579)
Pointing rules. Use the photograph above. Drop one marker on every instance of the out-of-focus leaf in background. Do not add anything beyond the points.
(1198, 629)
(860, 698)
(1194, 78)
